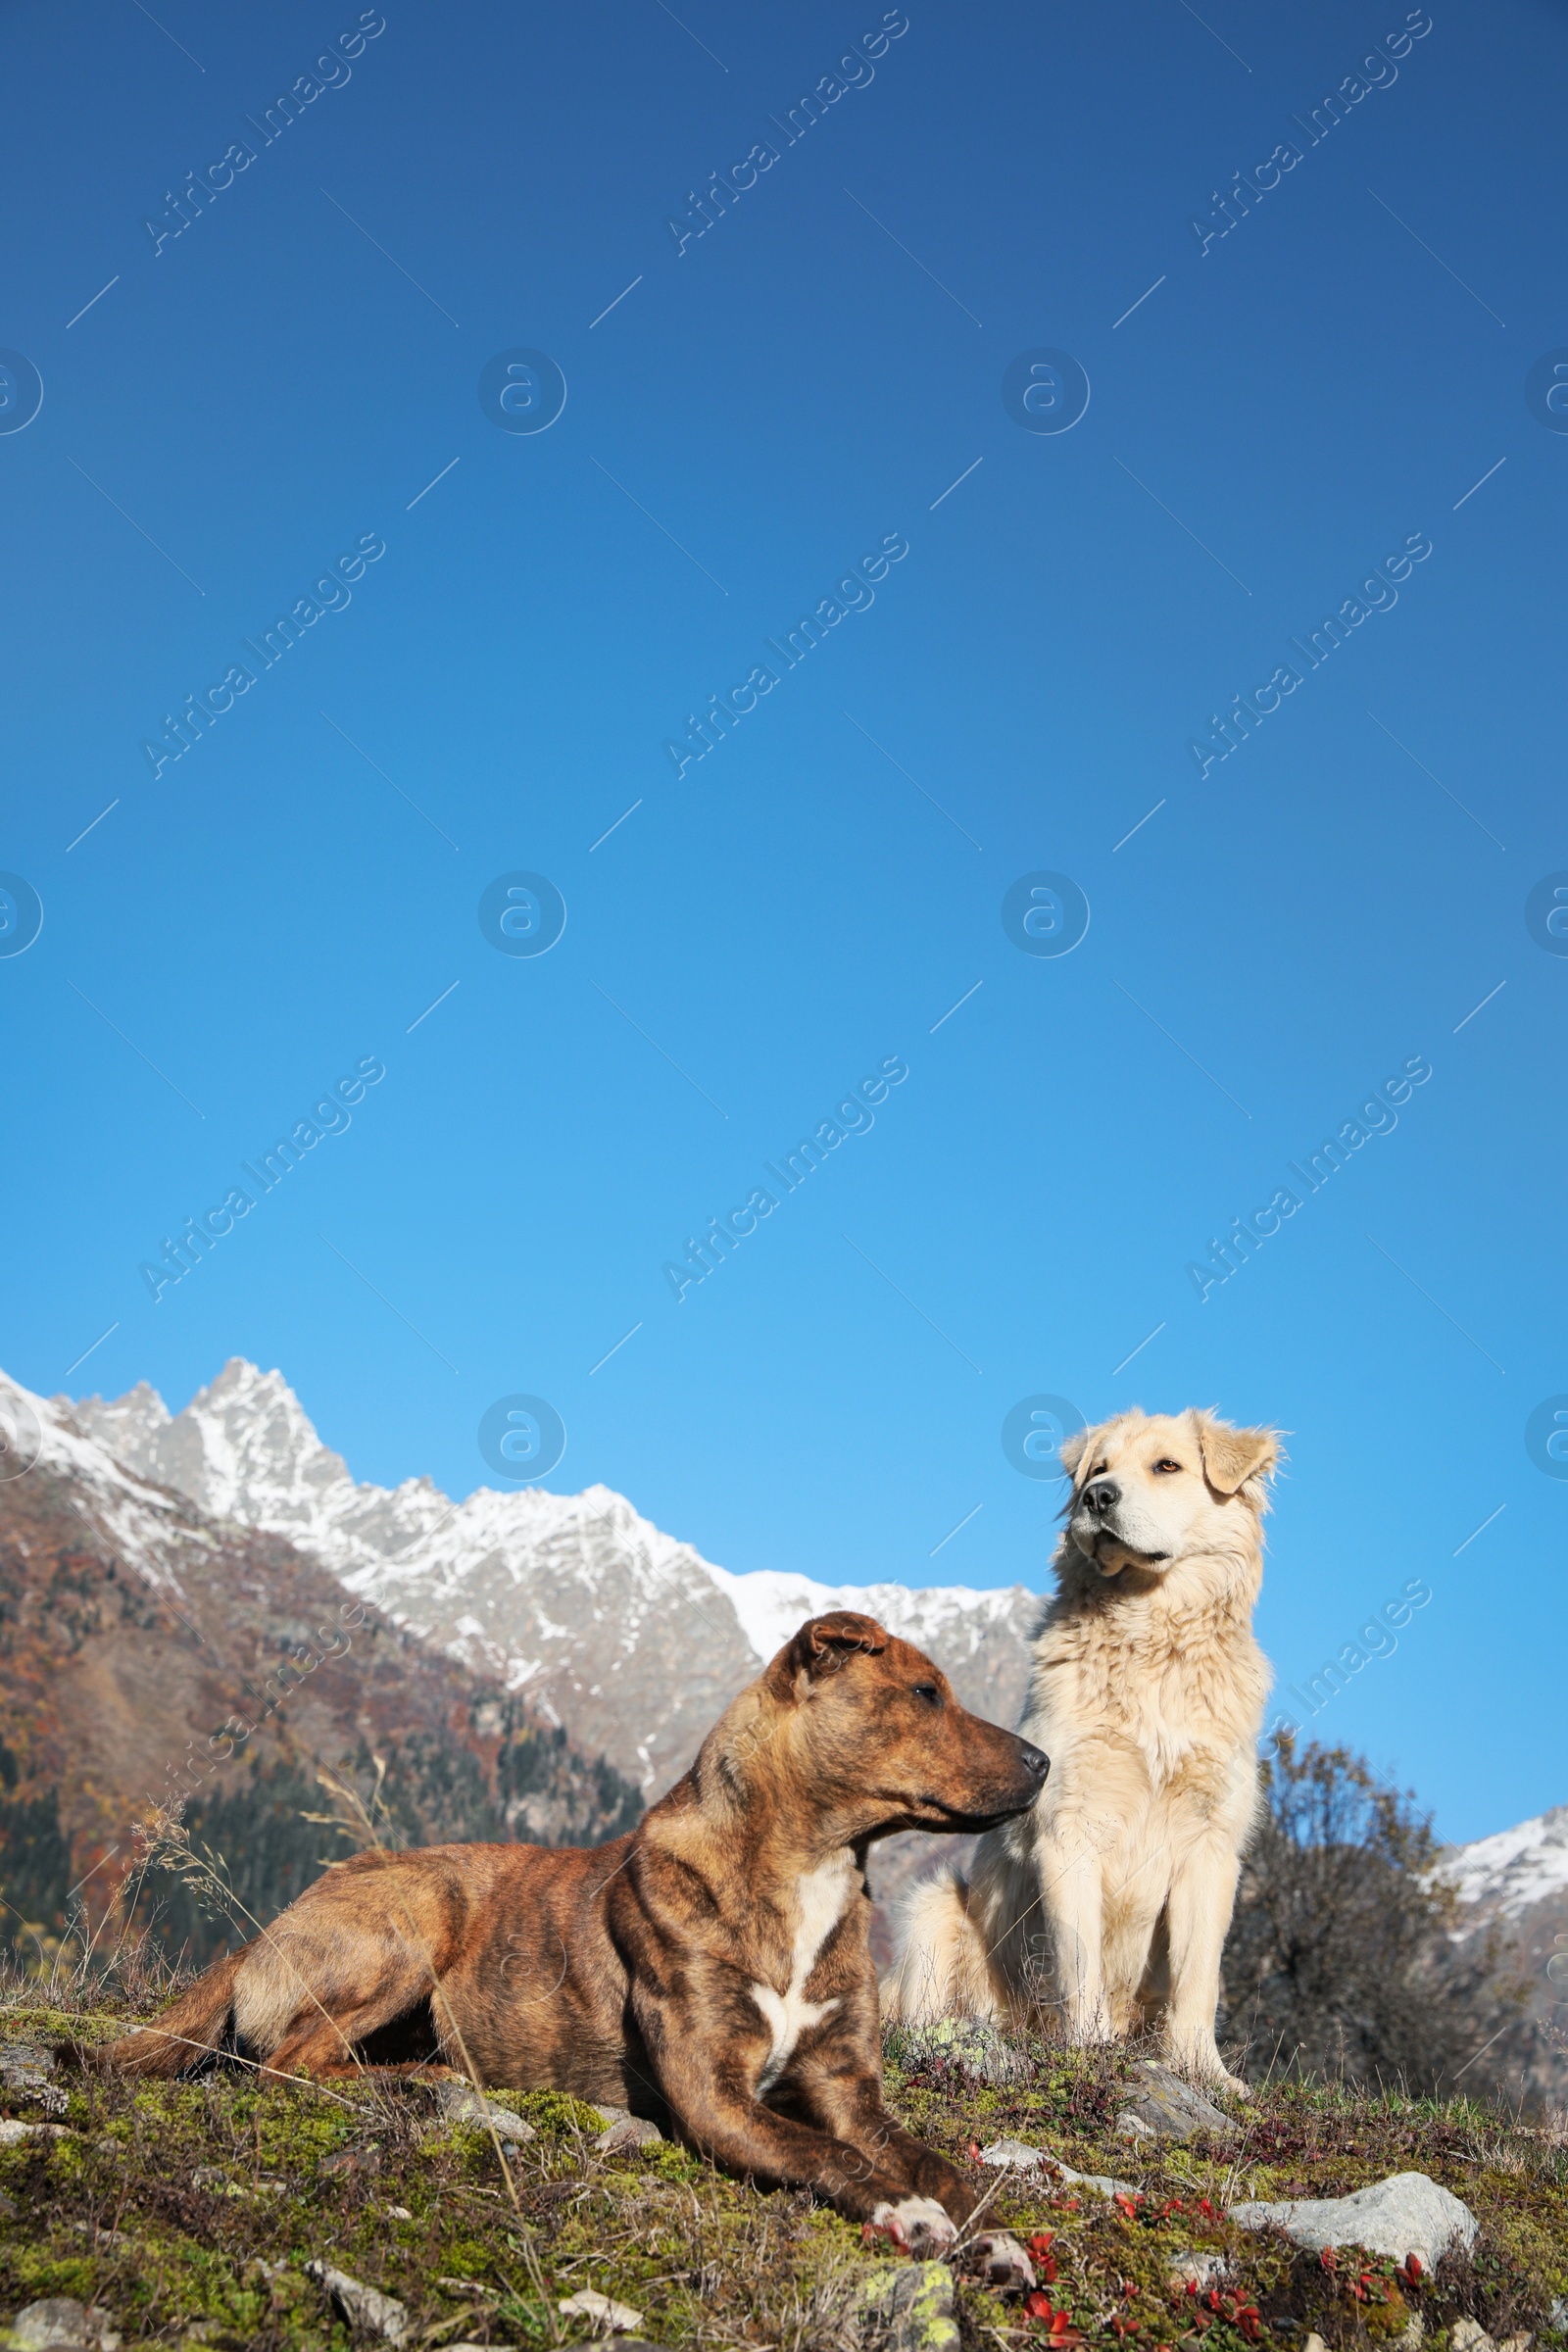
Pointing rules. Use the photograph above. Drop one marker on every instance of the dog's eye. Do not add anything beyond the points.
(929, 1692)
(1168, 1467)
(1097, 1468)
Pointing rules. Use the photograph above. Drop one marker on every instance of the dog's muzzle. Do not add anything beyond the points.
(1035, 1765)
(1093, 1527)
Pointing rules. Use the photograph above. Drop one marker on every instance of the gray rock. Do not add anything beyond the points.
(1164, 2107)
(1557, 2316)
(623, 2130)
(1016, 2155)
(1201, 2270)
(615, 2318)
(14, 2132)
(60, 2325)
(461, 2103)
(906, 2307)
(25, 2071)
(363, 2307)
(1406, 2214)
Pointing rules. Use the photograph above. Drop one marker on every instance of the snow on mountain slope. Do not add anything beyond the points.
(1514, 1887)
(622, 1633)
(770, 1605)
(1508, 1874)
(146, 1525)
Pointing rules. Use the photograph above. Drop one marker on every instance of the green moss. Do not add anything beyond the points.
(703, 2258)
(550, 2110)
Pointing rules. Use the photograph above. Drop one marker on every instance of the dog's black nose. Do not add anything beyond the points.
(1101, 1494)
(1034, 1760)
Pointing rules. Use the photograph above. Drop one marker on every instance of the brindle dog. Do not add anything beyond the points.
(709, 1970)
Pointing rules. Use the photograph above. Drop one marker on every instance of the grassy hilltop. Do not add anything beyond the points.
(188, 2212)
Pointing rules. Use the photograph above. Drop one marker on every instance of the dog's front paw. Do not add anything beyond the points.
(1201, 2062)
(919, 2225)
(1003, 2264)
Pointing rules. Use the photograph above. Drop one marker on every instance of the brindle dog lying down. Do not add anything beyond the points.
(709, 1970)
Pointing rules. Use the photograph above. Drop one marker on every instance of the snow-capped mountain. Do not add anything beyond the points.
(625, 1635)
(154, 1653)
(1513, 1887)
(1505, 1875)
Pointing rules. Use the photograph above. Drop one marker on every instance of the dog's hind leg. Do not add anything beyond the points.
(941, 1969)
(321, 2044)
(310, 1993)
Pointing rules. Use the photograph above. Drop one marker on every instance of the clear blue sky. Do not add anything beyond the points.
(780, 398)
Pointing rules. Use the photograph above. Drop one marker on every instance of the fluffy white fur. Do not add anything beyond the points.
(1112, 1897)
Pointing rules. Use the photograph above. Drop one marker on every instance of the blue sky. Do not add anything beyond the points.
(751, 416)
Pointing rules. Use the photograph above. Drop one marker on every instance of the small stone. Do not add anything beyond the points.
(25, 2071)
(623, 2130)
(59, 2324)
(1164, 2107)
(1016, 2155)
(24, 2065)
(362, 2306)
(400, 2213)
(908, 2307)
(216, 2182)
(12, 2134)
(1103, 2185)
(615, 2319)
(461, 2103)
(1468, 2336)
(1130, 2124)
(1201, 2270)
(1314, 2343)
(103, 2237)
(1406, 2214)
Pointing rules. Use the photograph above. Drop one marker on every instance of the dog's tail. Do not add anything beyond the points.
(941, 1969)
(200, 2023)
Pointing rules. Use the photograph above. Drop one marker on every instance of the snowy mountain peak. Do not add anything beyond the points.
(112, 1503)
(1515, 1869)
(627, 1635)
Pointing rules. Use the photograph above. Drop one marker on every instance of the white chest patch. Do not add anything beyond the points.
(822, 1896)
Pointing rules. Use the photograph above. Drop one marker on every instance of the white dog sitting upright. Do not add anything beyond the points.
(1112, 1897)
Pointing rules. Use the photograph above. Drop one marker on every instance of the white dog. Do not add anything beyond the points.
(1114, 1896)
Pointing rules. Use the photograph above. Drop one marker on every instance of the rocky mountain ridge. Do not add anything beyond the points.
(625, 1635)
(155, 1657)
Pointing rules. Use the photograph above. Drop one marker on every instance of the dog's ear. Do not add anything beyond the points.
(1231, 1456)
(825, 1644)
(1072, 1451)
